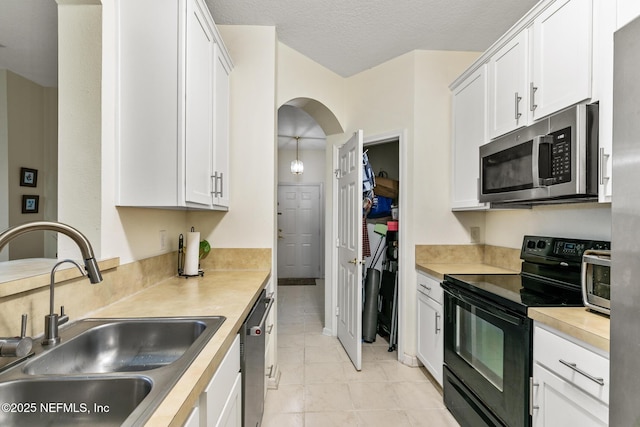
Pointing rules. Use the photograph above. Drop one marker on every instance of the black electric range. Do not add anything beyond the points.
(488, 337)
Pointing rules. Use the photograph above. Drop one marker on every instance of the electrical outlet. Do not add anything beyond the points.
(475, 234)
(163, 240)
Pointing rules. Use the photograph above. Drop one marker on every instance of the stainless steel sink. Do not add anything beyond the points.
(71, 401)
(128, 365)
(124, 345)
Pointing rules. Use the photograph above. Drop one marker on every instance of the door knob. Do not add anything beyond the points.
(354, 261)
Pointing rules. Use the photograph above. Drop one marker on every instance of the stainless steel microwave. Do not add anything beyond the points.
(555, 160)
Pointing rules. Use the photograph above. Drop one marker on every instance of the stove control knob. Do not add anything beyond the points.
(531, 244)
(541, 244)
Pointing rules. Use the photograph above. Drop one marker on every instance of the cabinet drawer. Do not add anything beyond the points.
(578, 365)
(430, 287)
(215, 396)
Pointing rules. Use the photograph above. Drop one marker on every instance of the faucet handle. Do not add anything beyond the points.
(23, 328)
(18, 346)
(63, 318)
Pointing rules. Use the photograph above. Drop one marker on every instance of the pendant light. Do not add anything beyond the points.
(297, 167)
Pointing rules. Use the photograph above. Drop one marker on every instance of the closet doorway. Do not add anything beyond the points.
(382, 253)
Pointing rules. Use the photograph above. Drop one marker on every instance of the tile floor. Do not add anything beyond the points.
(320, 387)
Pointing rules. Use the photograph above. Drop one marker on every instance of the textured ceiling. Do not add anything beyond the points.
(28, 35)
(351, 36)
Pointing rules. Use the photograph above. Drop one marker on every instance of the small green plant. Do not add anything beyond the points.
(205, 248)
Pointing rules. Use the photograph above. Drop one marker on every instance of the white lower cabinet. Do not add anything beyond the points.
(194, 418)
(430, 321)
(570, 384)
(220, 404)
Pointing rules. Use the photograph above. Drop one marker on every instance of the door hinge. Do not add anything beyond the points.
(337, 173)
(337, 311)
(338, 242)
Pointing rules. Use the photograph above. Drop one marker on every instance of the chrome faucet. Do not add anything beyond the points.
(53, 320)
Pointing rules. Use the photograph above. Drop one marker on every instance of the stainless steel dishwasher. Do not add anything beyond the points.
(252, 364)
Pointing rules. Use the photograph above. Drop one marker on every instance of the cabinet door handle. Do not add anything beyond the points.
(214, 184)
(532, 407)
(438, 329)
(269, 372)
(574, 367)
(518, 113)
(603, 165)
(221, 184)
(532, 96)
(428, 288)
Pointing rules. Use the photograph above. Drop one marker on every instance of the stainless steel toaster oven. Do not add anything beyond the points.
(596, 280)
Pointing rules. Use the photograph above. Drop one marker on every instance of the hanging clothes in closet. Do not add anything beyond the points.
(368, 184)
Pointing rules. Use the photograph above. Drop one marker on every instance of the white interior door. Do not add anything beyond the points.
(350, 247)
(299, 231)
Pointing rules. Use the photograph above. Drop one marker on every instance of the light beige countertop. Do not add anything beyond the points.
(578, 322)
(229, 293)
(438, 270)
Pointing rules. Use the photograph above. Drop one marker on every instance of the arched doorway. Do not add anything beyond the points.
(300, 240)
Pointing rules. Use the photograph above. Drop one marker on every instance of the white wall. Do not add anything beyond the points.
(583, 221)
(79, 85)
(432, 219)
(314, 166)
(300, 77)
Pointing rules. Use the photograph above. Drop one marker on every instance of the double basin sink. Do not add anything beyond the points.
(105, 372)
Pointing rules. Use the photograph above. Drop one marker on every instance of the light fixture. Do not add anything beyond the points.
(297, 167)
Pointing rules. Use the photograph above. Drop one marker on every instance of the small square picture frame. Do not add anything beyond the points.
(28, 177)
(30, 204)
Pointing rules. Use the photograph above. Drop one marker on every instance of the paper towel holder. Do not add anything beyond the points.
(181, 272)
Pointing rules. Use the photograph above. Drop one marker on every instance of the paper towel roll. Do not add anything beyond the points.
(192, 253)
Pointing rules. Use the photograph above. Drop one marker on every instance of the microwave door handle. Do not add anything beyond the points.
(535, 160)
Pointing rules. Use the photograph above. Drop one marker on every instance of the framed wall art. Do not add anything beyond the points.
(28, 177)
(30, 204)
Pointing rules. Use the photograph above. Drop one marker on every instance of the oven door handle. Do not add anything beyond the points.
(514, 320)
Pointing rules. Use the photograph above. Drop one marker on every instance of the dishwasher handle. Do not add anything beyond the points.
(258, 330)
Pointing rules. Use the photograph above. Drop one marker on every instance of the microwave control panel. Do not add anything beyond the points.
(570, 250)
(561, 156)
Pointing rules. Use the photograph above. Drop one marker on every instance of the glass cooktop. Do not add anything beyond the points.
(515, 291)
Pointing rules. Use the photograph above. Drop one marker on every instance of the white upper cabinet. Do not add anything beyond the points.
(469, 120)
(221, 74)
(198, 105)
(508, 87)
(172, 106)
(561, 61)
(543, 67)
